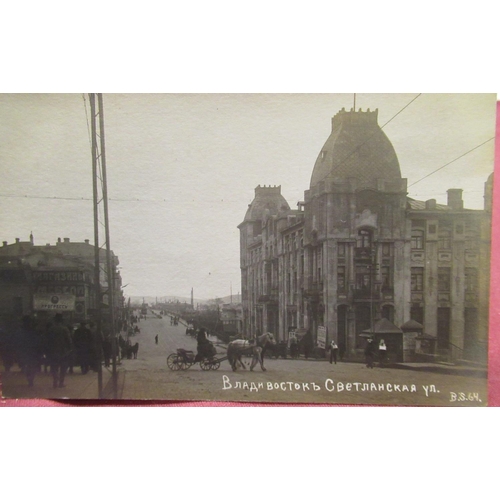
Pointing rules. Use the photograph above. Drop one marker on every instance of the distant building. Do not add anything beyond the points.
(232, 319)
(53, 278)
(358, 249)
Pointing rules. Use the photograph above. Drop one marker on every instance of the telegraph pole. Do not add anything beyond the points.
(100, 189)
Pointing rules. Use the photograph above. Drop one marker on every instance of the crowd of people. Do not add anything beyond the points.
(55, 346)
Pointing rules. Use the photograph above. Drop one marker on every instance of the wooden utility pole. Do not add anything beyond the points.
(100, 198)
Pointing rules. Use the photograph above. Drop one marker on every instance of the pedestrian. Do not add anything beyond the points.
(29, 349)
(59, 349)
(334, 349)
(96, 347)
(308, 343)
(106, 350)
(156, 339)
(382, 352)
(82, 339)
(369, 353)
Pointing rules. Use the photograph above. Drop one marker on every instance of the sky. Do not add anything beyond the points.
(182, 169)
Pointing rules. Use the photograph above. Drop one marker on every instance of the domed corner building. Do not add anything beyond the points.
(358, 250)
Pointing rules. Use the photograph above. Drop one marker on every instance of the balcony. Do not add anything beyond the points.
(363, 293)
(268, 299)
(365, 253)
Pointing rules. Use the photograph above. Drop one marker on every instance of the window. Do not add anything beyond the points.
(319, 260)
(364, 239)
(471, 279)
(444, 242)
(341, 278)
(471, 245)
(417, 314)
(341, 249)
(386, 249)
(388, 313)
(417, 239)
(386, 277)
(444, 282)
(417, 279)
(363, 278)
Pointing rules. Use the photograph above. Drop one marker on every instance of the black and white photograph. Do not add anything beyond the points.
(277, 248)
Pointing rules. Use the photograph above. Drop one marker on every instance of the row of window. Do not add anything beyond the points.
(444, 240)
(444, 279)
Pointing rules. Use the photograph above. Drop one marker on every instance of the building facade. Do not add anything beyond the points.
(32, 275)
(358, 249)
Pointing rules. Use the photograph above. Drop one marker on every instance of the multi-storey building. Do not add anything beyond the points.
(29, 274)
(358, 249)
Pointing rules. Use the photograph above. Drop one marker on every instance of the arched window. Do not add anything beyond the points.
(364, 238)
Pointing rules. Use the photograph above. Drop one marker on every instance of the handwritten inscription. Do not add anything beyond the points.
(461, 397)
(332, 386)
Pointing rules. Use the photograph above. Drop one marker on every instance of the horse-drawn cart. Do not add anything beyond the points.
(184, 359)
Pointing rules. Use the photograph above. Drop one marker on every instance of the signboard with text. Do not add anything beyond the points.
(321, 338)
(53, 302)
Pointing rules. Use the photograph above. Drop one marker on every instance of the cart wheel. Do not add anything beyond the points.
(205, 364)
(214, 365)
(174, 362)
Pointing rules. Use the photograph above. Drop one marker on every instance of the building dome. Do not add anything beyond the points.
(357, 147)
(268, 201)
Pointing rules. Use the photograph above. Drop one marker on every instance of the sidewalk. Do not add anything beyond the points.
(13, 385)
(471, 371)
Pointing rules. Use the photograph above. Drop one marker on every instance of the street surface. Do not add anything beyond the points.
(290, 381)
(285, 381)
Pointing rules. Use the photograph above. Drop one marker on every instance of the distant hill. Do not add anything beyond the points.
(173, 298)
(236, 298)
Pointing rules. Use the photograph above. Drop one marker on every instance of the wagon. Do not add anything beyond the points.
(184, 359)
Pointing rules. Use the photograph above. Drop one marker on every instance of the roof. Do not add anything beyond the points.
(420, 205)
(268, 201)
(411, 326)
(383, 326)
(357, 147)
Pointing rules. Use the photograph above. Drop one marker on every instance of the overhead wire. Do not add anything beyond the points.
(370, 137)
(326, 176)
(452, 161)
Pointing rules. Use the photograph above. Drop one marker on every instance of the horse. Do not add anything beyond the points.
(134, 350)
(238, 347)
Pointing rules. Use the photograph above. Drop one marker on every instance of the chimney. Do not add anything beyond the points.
(4, 243)
(430, 204)
(58, 240)
(66, 240)
(87, 241)
(17, 240)
(455, 199)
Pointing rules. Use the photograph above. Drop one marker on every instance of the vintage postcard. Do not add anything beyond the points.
(282, 248)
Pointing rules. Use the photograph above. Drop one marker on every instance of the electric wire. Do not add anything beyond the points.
(452, 161)
(357, 148)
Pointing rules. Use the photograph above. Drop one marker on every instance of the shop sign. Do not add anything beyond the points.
(53, 302)
(321, 338)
